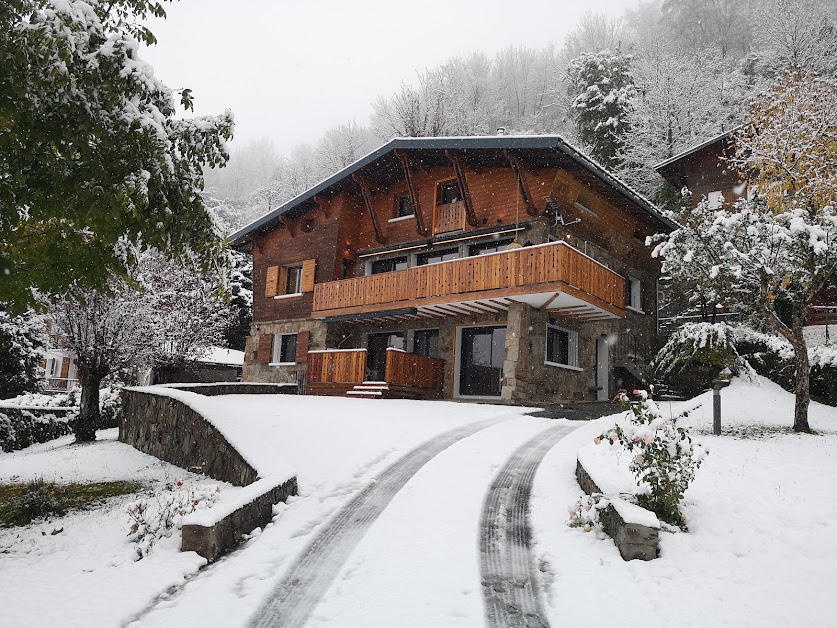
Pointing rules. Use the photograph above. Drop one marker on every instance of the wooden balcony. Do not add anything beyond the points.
(343, 371)
(552, 276)
(449, 217)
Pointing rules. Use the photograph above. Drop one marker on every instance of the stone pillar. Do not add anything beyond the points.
(516, 355)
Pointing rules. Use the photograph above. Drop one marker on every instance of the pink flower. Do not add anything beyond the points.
(639, 459)
(636, 439)
(597, 440)
(180, 483)
(636, 392)
(649, 439)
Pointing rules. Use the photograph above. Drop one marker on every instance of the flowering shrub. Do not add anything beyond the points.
(585, 512)
(157, 518)
(664, 458)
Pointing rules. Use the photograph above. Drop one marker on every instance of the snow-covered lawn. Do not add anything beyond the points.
(761, 548)
(762, 513)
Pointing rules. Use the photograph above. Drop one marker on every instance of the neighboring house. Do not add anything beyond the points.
(58, 371)
(704, 171)
(501, 268)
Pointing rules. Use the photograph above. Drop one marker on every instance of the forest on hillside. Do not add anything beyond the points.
(631, 90)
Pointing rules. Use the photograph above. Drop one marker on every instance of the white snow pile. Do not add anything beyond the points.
(761, 548)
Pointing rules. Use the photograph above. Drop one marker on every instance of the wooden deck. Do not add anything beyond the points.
(408, 375)
(555, 267)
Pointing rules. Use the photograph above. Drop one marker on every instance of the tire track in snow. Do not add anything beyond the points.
(313, 571)
(507, 569)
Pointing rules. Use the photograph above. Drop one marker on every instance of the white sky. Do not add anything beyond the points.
(291, 69)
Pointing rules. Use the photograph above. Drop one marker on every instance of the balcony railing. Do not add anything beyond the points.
(449, 217)
(553, 267)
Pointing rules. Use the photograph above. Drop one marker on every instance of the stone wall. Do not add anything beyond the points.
(170, 430)
(212, 541)
(634, 541)
(236, 388)
(291, 374)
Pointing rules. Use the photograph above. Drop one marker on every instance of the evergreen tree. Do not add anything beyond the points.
(602, 87)
(21, 343)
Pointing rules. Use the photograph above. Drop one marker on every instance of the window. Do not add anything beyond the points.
(426, 342)
(716, 199)
(347, 269)
(388, 265)
(561, 345)
(635, 294)
(447, 192)
(403, 206)
(434, 257)
(488, 247)
(284, 349)
(293, 284)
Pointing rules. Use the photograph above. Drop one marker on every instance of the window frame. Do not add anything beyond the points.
(442, 252)
(279, 344)
(573, 350)
(289, 272)
(447, 184)
(427, 331)
(394, 259)
(398, 205)
(504, 242)
(634, 289)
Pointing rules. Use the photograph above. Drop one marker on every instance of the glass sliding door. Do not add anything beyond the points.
(481, 354)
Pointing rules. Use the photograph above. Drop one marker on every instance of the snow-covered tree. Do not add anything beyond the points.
(94, 161)
(770, 256)
(22, 339)
(166, 316)
(241, 301)
(603, 88)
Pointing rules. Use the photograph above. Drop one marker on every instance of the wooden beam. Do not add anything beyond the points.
(324, 204)
(454, 158)
(421, 228)
(365, 192)
(258, 242)
(549, 302)
(517, 166)
(290, 224)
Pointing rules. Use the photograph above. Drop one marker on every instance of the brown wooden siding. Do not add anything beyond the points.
(519, 271)
(337, 366)
(410, 369)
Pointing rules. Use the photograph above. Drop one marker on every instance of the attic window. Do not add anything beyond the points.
(448, 192)
(403, 206)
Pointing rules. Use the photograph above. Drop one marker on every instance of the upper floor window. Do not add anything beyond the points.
(635, 293)
(293, 283)
(403, 206)
(434, 257)
(488, 247)
(448, 192)
(715, 199)
(388, 265)
(561, 345)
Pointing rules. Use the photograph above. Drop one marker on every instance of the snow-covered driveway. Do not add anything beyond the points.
(403, 549)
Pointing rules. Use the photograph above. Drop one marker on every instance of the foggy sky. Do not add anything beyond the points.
(291, 69)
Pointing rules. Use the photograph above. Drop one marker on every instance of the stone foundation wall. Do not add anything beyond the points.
(291, 374)
(212, 541)
(236, 388)
(634, 541)
(170, 430)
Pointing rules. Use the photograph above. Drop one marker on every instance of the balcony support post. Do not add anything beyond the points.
(454, 158)
(421, 228)
(365, 192)
(525, 194)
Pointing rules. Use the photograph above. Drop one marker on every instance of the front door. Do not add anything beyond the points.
(482, 352)
(602, 369)
(376, 354)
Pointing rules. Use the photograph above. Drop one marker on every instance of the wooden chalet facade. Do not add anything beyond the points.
(505, 268)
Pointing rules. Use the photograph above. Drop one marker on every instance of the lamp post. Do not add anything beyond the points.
(721, 381)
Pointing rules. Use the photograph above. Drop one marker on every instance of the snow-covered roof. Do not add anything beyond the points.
(220, 355)
(554, 143)
(696, 148)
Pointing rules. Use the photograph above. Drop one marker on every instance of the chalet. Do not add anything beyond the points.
(502, 268)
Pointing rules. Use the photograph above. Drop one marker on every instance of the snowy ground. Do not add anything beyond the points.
(761, 550)
(762, 513)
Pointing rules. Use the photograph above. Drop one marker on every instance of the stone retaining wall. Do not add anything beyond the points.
(236, 388)
(212, 541)
(632, 539)
(170, 430)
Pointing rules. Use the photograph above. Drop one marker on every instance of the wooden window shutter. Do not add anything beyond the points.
(308, 268)
(283, 280)
(65, 367)
(271, 284)
(302, 339)
(265, 350)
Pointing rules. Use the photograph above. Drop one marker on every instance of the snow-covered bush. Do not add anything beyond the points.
(664, 457)
(585, 512)
(110, 407)
(701, 343)
(21, 428)
(155, 518)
